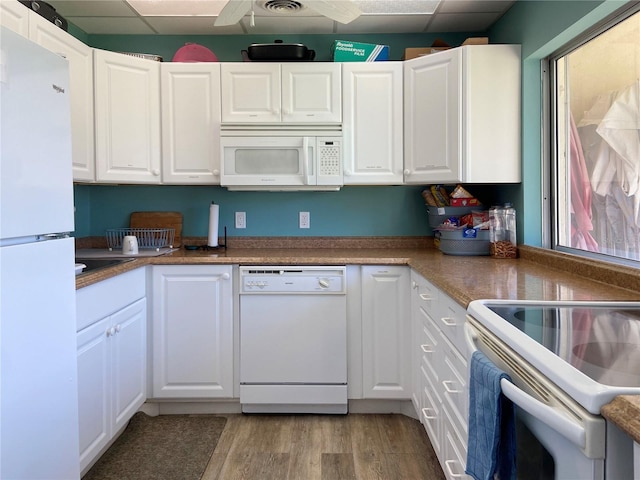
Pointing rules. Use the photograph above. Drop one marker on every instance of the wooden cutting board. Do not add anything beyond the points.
(159, 220)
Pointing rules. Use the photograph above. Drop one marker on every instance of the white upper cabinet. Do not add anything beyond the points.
(311, 93)
(372, 126)
(127, 118)
(80, 58)
(15, 16)
(29, 24)
(250, 92)
(190, 123)
(462, 116)
(281, 93)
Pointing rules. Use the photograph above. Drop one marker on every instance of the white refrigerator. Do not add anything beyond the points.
(38, 367)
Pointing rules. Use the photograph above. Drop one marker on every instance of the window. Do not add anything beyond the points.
(595, 91)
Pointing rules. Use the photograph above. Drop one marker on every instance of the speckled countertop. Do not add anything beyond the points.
(537, 274)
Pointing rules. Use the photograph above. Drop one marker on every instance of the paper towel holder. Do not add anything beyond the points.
(220, 245)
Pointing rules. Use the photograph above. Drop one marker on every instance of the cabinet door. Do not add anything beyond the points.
(127, 111)
(190, 123)
(128, 336)
(372, 128)
(192, 332)
(432, 114)
(491, 111)
(386, 325)
(94, 390)
(250, 92)
(80, 58)
(15, 16)
(311, 93)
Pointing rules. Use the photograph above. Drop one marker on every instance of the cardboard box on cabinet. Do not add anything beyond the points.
(439, 46)
(416, 52)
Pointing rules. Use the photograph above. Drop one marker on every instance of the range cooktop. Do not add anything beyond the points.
(603, 342)
(591, 350)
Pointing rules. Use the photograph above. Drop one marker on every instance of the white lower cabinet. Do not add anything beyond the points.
(112, 368)
(386, 323)
(192, 331)
(440, 388)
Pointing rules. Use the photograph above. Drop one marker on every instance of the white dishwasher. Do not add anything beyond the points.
(293, 339)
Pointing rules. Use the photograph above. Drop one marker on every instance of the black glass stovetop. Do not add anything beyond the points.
(601, 342)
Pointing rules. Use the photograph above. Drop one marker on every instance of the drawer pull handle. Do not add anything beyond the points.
(427, 348)
(424, 296)
(448, 464)
(448, 321)
(427, 413)
(447, 386)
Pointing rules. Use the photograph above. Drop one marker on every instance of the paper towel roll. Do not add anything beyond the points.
(214, 211)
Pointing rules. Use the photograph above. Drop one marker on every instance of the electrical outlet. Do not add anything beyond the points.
(241, 220)
(305, 220)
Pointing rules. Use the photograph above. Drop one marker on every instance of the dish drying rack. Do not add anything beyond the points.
(151, 238)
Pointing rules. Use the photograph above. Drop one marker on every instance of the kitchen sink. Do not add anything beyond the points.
(93, 264)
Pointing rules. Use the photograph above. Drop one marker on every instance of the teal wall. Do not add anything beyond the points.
(353, 211)
(228, 47)
(539, 26)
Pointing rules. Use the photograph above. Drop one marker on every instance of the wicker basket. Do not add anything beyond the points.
(155, 238)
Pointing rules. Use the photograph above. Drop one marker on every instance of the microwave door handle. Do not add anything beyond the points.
(572, 431)
(305, 161)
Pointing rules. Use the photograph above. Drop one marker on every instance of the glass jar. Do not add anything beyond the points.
(502, 231)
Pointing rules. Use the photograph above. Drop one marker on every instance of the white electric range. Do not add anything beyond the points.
(566, 360)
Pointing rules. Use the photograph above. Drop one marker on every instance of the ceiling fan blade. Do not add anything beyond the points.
(232, 12)
(342, 11)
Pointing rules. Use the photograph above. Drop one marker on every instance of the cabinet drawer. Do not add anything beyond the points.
(431, 412)
(430, 340)
(454, 384)
(425, 295)
(451, 321)
(454, 449)
(108, 296)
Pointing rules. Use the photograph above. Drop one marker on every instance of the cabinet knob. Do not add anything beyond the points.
(156, 173)
(348, 173)
(407, 172)
(118, 328)
(216, 173)
(226, 276)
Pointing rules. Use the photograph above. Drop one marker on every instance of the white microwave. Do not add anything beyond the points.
(281, 160)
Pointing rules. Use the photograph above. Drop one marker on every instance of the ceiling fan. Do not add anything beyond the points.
(340, 11)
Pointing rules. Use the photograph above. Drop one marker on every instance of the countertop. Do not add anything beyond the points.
(537, 274)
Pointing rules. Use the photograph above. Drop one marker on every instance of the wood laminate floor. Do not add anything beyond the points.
(323, 447)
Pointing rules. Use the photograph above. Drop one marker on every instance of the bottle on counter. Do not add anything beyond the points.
(502, 231)
(494, 221)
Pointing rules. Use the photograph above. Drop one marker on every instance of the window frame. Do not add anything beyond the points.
(549, 139)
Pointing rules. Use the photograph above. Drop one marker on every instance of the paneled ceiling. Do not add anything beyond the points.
(197, 17)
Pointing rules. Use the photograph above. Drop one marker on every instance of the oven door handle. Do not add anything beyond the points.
(554, 419)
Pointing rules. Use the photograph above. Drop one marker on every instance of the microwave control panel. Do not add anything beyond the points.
(329, 151)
